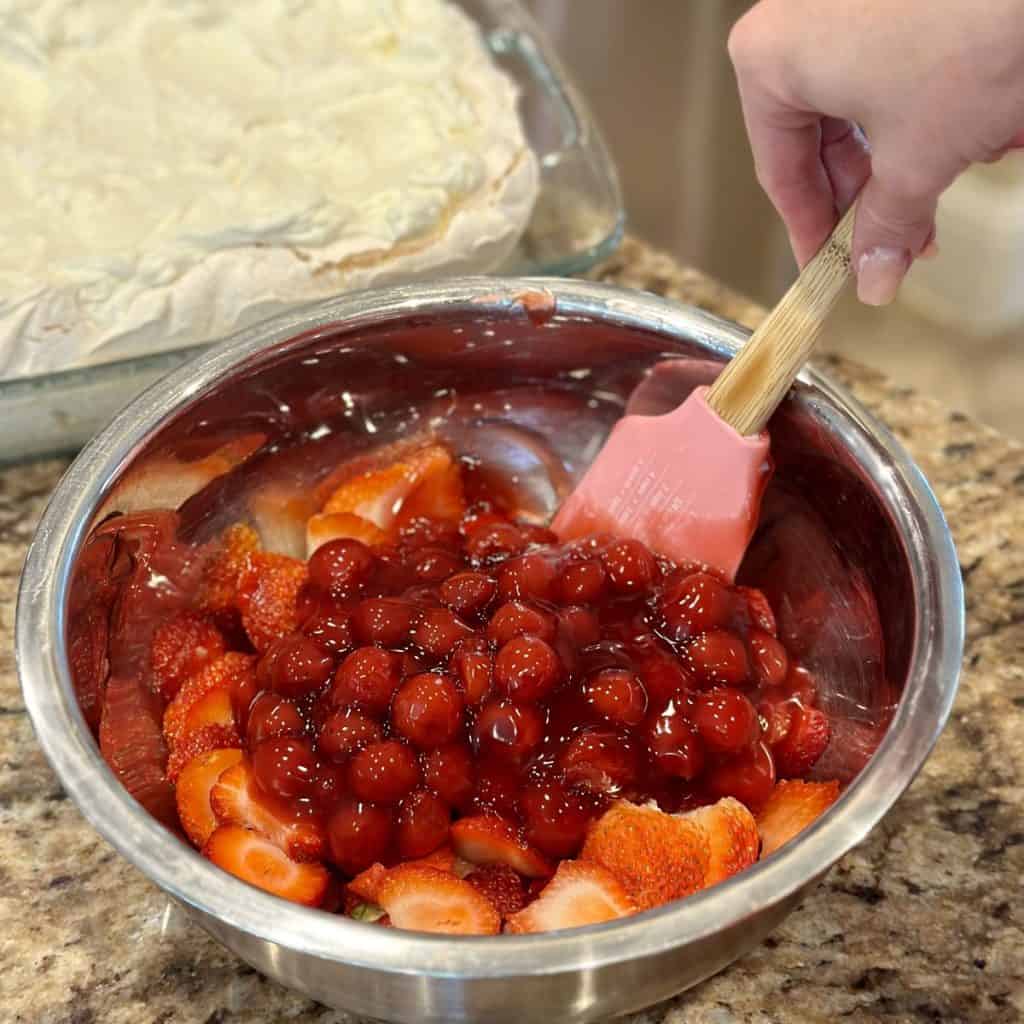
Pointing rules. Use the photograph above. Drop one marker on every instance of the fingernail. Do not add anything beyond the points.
(930, 251)
(879, 273)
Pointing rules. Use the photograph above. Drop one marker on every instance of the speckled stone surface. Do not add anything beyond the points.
(923, 922)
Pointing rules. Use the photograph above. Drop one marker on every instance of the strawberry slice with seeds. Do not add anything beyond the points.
(657, 857)
(425, 899)
(328, 526)
(181, 647)
(209, 724)
(501, 885)
(192, 792)
(733, 838)
(792, 806)
(581, 893)
(236, 799)
(268, 591)
(490, 839)
(220, 674)
(279, 513)
(256, 860)
(366, 885)
(218, 591)
(805, 741)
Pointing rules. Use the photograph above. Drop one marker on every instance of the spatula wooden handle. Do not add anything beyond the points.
(757, 378)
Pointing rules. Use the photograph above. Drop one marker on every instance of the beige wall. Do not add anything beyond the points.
(658, 78)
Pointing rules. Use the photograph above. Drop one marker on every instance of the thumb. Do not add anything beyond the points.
(895, 221)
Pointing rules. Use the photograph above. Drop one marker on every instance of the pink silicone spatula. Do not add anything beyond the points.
(689, 483)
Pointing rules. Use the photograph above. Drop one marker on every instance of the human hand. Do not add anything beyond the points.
(936, 85)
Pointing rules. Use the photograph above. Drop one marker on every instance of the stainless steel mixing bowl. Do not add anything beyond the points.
(874, 515)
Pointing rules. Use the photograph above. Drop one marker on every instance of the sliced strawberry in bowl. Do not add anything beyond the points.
(268, 591)
(804, 742)
(501, 885)
(425, 899)
(580, 893)
(218, 589)
(490, 839)
(792, 806)
(220, 674)
(182, 647)
(237, 799)
(733, 839)
(324, 527)
(193, 788)
(252, 857)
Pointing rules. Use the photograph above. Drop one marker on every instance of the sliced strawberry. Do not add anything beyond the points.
(256, 860)
(581, 893)
(501, 885)
(657, 857)
(366, 885)
(133, 747)
(759, 610)
(439, 495)
(181, 647)
(192, 792)
(328, 526)
(733, 839)
(200, 741)
(279, 513)
(427, 900)
(793, 806)
(218, 591)
(490, 839)
(221, 674)
(268, 590)
(805, 741)
(236, 799)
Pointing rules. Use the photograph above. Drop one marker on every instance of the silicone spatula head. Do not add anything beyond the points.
(689, 483)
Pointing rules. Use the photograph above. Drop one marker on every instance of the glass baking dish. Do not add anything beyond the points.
(577, 222)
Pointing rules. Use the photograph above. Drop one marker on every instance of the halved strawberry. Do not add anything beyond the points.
(256, 860)
(490, 839)
(328, 526)
(805, 741)
(439, 495)
(581, 893)
(268, 590)
(192, 792)
(200, 741)
(220, 674)
(733, 839)
(279, 513)
(427, 900)
(366, 885)
(181, 647)
(792, 806)
(236, 799)
(501, 885)
(657, 857)
(218, 592)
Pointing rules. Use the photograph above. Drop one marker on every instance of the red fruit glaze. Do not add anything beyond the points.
(508, 731)
(450, 771)
(438, 631)
(468, 593)
(556, 817)
(271, 716)
(472, 668)
(749, 777)
(719, 656)
(517, 619)
(601, 761)
(768, 659)
(383, 772)
(285, 766)
(358, 834)
(674, 744)
(421, 824)
(345, 733)
(631, 567)
(725, 719)
(367, 678)
(298, 666)
(526, 669)
(385, 621)
(527, 578)
(341, 566)
(583, 583)
(616, 695)
(697, 603)
(427, 710)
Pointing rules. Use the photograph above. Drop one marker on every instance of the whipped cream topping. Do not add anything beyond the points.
(172, 171)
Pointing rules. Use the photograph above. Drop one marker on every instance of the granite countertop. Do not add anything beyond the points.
(923, 922)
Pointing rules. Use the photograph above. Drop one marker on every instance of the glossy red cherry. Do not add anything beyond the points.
(616, 695)
(537, 535)
(438, 631)
(299, 666)
(383, 772)
(600, 761)
(285, 766)
(675, 747)
(556, 818)
(329, 787)
(244, 689)
(725, 719)
(508, 731)
(528, 578)
(749, 777)
(631, 567)
(341, 566)
(427, 710)
(270, 716)
(664, 678)
(583, 582)
(527, 669)
(468, 593)
(345, 733)
(385, 621)
(768, 658)
(517, 619)
(432, 565)
(421, 825)
(368, 678)
(498, 785)
(330, 627)
(472, 668)
(494, 542)
(578, 627)
(759, 611)
(422, 532)
(451, 773)
(696, 604)
(359, 834)
(719, 657)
